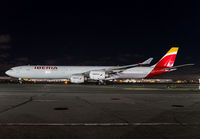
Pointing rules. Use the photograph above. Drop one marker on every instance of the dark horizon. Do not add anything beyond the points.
(83, 35)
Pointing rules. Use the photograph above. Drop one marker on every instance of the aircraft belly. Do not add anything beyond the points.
(135, 73)
(130, 75)
(43, 75)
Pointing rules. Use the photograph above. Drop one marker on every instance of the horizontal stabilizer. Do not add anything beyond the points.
(184, 65)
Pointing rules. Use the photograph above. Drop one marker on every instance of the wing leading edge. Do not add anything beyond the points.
(146, 62)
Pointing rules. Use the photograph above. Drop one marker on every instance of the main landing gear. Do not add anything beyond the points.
(20, 81)
(101, 82)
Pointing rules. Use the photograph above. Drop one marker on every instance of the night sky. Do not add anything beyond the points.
(98, 33)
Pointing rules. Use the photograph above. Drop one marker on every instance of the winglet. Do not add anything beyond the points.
(146, 62)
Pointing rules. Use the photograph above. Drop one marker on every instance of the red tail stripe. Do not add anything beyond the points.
(166, 62)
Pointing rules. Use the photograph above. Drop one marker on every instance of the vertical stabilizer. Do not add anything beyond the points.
(167, 61)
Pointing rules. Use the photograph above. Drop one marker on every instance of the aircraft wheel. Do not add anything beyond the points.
(101, 82)
(20, 81)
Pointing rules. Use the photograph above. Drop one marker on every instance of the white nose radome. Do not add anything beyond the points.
(8, 72)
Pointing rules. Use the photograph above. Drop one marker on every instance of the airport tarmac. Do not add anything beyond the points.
(38, 111)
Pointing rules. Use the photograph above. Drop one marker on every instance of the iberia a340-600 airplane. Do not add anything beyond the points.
(80, 74)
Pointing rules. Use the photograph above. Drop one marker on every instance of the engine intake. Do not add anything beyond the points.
(77, 79)
(97, 75)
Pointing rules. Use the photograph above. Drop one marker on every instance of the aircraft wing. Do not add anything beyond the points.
(121, 68)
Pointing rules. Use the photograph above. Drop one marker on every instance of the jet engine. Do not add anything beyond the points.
(97, 75)
(77, 79)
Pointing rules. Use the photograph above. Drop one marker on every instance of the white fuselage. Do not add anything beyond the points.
(65, 72)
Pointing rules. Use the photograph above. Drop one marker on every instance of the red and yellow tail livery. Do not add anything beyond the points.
(165, 63)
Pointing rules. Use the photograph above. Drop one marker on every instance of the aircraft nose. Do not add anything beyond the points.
(8, 72)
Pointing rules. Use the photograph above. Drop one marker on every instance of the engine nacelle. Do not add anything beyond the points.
(97, 75)
(77, 79)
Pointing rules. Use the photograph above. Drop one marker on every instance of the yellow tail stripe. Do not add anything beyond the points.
(172, 50)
